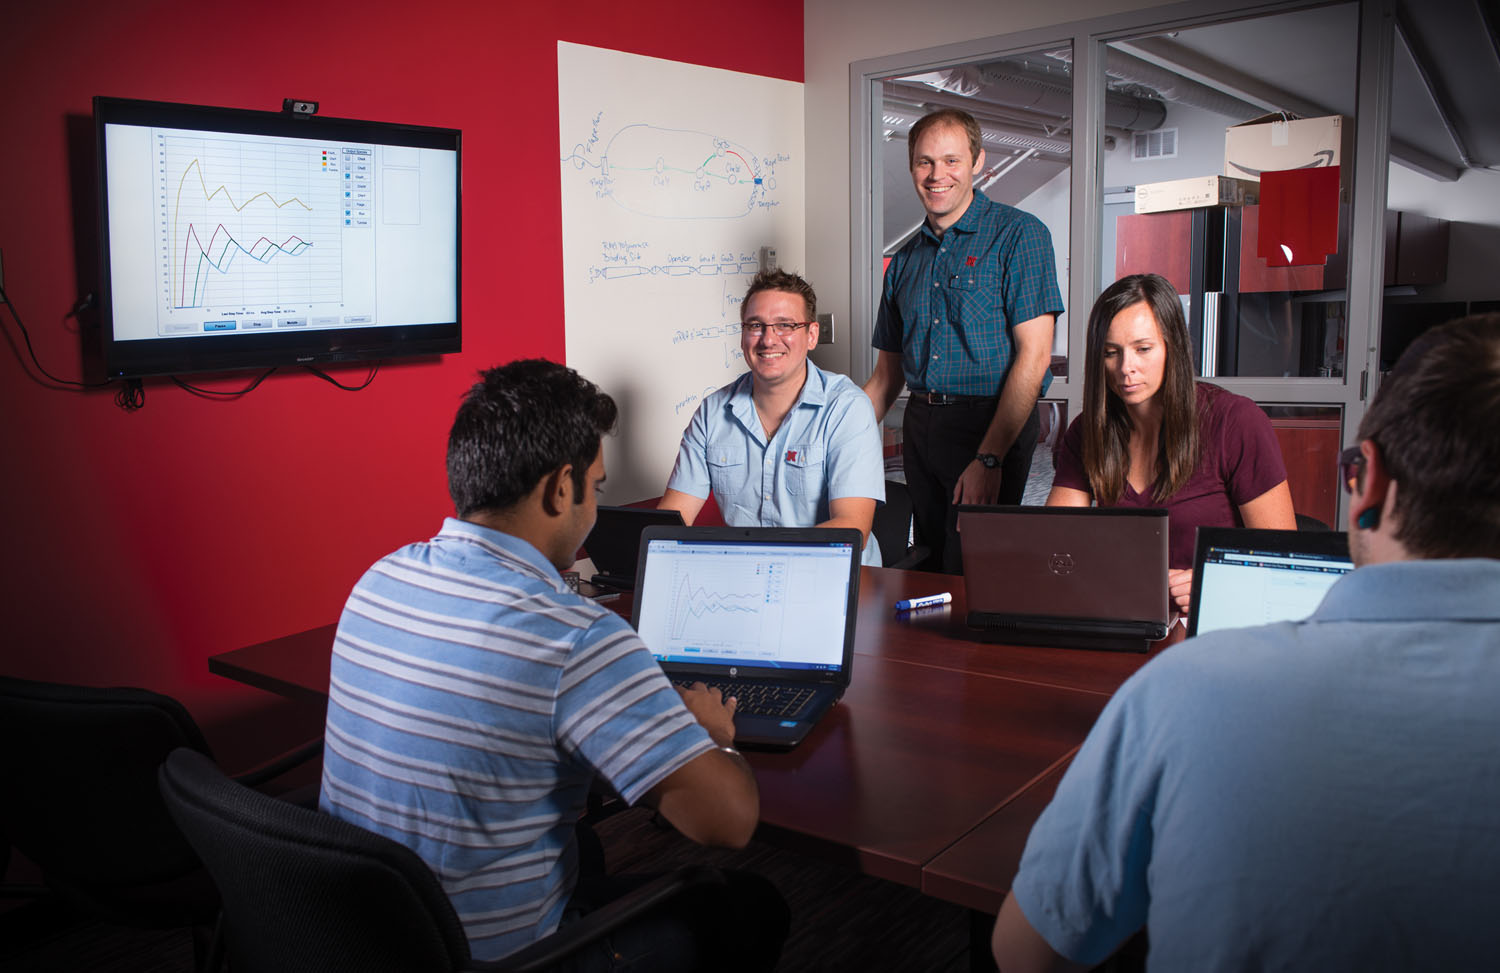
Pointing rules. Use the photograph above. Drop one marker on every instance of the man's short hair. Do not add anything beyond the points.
(944, 116)
(781, 280)
(518, 423)
(1434, 423)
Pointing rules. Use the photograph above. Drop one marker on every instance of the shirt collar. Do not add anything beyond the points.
(521, 555)
(1445, 588)
(742, 402)
(969, 222)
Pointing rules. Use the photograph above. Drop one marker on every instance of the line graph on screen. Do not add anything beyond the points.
(247, 226)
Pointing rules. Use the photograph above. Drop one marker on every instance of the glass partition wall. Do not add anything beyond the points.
(1285, 283)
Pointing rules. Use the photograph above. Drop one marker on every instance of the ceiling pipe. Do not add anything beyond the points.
(1040, 95)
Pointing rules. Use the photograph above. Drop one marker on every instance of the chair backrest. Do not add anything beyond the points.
(892, 524)
(307, 891)
(79, 766)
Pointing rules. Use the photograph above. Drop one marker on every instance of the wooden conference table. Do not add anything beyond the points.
(931, 770)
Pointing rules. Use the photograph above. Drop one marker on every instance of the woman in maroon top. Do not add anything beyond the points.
(1151, 436)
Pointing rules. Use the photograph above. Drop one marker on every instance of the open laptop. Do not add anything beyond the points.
(1244, 577)
(614, 543)
(1075, 577)
(758, 612)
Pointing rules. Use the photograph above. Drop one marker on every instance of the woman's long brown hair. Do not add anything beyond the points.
(1106, 423)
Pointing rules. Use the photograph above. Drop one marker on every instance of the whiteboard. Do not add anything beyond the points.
(674, 176)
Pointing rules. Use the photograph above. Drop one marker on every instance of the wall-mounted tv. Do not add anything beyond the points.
(244, 239)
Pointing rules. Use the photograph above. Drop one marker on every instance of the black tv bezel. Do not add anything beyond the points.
(143, 358)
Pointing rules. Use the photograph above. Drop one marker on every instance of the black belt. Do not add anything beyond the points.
(943, 398)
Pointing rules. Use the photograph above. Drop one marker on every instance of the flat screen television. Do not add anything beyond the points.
(235, 239)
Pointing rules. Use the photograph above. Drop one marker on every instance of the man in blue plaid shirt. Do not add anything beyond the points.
(966, 321)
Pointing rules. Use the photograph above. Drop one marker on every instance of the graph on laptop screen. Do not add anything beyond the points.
(726, 603)
(1243, 586)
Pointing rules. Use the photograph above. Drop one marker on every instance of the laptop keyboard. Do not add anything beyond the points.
(757, 698)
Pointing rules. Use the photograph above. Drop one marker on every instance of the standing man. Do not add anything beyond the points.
(473, 698)
(966, 320)
(1313, 795)
(786, 444)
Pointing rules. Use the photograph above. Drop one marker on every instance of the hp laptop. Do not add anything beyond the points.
(614, 543)
(1244, 577)
(1075, 577)
(765, 614)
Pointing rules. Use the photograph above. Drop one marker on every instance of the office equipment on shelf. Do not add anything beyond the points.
(1244, 577)
(759, 612)
(1075, 577)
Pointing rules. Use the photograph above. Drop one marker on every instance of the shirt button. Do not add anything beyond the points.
(766, 497)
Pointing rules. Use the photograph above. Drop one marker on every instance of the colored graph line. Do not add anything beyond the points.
(293, 245)
(208, 197)
(698, 602)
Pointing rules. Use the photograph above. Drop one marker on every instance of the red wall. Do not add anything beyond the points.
(136, 545)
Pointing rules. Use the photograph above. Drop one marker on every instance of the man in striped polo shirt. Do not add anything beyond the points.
(473, 697)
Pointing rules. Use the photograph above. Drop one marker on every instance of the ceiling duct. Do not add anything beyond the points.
(898, 120)
(1171, 86)
(996, 84)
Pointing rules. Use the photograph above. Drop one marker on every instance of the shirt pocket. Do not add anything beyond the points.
(970, 289)
(726, 469)
(804, 470)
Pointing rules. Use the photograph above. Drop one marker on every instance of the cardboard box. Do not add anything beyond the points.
(1286, 142)
(1158, 197)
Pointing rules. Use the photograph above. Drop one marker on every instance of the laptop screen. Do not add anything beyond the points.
(745, 600)
(1247, 577)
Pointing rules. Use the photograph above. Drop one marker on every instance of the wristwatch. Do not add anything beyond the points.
(988, 460)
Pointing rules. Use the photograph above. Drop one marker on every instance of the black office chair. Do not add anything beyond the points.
(308, 891)
(1306, 522)
(892, 528)
(79, 766)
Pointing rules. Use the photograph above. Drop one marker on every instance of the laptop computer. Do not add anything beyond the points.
(1244, 577)
(1073, 577)
(765, 613)
(614, 543)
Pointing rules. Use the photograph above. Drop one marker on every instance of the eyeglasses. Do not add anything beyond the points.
(1351, 465)
(755, 328)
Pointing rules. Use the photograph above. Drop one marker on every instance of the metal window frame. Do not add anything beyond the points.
(1377, 27)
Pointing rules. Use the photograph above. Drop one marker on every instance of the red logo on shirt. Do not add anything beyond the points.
(971, 261)
(791, 456)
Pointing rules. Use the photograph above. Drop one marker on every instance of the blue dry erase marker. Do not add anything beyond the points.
(907, 604)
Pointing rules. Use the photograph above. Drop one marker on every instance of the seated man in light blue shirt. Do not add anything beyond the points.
(1319, 794)
(786, 444)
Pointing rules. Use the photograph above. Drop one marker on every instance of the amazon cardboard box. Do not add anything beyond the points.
(1285, 142)
(1159, 197)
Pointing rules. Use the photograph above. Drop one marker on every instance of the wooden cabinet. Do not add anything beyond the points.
(1310, 450)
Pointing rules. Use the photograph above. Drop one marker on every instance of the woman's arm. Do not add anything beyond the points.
(1062, 496)
(1271, 510)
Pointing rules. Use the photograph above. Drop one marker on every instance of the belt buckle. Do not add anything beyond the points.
(935, 398)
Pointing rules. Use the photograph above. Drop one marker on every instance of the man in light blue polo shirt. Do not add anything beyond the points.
(786, 444)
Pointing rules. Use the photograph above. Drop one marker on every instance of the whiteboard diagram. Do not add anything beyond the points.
(673, 178)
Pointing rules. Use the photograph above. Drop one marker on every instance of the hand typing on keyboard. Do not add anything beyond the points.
(711, 710)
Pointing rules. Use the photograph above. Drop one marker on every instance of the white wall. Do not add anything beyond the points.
(837, 33)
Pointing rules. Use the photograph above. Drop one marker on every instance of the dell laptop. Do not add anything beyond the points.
(765, 614)
(1244, 577)
(1075, 577)
(614, 543)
